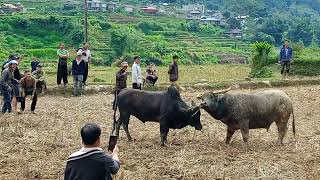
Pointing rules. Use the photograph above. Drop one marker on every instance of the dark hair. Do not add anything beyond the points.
(26, 71)
(90, 133)
(175, 57)
(136, 57)
(86, 43)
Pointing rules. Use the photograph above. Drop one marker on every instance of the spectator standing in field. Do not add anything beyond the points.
(121, 81)
(28, 88)
(34, 63)
(151, 74)
(174, 72)
(78, 71)
(91, 162)
(86, 57)
(137, 78)
(62, 73)
(285, 58)
(15, 82)
(7, 77)
(38, 74)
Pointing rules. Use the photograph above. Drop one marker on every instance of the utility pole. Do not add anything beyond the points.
(85, 21)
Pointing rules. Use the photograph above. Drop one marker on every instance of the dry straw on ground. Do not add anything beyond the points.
(36, 146)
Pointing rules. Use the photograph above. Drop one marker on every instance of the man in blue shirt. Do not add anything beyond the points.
(285, 58)
(91, 162)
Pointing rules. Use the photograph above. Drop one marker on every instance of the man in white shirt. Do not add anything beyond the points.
(137, 78)
(86, 57)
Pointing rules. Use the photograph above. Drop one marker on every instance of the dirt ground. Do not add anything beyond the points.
(36, 146)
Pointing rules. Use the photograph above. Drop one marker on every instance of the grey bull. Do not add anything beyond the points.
(250, 111)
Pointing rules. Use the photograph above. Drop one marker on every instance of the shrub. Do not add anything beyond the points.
(260, 59)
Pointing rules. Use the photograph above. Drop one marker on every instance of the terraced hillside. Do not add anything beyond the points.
(226, 50)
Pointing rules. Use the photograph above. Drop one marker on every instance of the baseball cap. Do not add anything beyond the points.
(13, 62)
(124, 63)
(79, 53)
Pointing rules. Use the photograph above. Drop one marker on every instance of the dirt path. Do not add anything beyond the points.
(36, 146)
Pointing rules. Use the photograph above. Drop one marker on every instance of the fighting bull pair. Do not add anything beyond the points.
(237, 111)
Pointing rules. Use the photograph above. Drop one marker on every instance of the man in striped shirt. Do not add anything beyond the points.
(91, 162)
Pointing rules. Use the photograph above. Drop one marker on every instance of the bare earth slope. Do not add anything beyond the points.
(36, 146)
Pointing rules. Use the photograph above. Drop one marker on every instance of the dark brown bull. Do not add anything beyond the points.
(165, 107)
(250, 111)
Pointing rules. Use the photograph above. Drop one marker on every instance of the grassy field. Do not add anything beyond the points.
(188, 74)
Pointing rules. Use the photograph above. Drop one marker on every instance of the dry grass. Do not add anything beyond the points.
(36, 146)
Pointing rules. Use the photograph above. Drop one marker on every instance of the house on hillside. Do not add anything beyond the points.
(71, 5)
(241, 18)
(96, 5)
(193, 11)
(193, 15)
(234, 33)
(150, 9)
(129, 8)
(210, 20)
(12, 8)
(111, 6)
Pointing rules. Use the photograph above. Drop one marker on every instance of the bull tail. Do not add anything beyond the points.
(293, 125)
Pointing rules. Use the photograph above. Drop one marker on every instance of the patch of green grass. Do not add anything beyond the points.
(187, 74)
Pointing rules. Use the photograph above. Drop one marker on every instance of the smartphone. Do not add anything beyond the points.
(112, 142)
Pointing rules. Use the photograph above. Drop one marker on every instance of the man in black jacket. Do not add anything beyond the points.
(121, 81)
(91, 162)
(78, 70)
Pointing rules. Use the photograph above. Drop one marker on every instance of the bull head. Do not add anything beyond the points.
(194, 116)
(203, 96)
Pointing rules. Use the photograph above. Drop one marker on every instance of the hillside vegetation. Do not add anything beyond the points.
(156, 38)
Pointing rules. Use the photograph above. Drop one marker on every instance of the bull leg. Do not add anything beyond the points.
(282, 130)
(230, 132)
(126, 129)
(244, 128)
(125, 124)
(163, 134)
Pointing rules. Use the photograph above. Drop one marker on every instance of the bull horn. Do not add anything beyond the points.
(222, 91)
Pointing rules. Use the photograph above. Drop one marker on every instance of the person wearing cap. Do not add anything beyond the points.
(86, 57)
(15, 82)
(62, 73)
(174, 72)
(137, 78)
(151, 74)
(121, 81)
(39, 75)
(91, 162)
(7, 76)
(28, 88)
(78, 70)
(34, 64)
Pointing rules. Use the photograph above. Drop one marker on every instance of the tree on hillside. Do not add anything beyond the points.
(125, 39)
(301, 30)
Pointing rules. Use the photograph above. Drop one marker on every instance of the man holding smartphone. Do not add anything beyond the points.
(91, 162)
